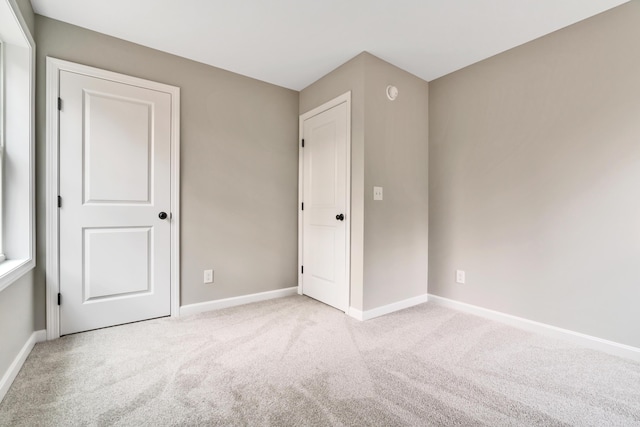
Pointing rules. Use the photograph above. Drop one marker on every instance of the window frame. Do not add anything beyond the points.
(18, 133)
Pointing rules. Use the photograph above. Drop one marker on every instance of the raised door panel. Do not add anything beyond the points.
(118, 262)
(322, 154)
(118, 131)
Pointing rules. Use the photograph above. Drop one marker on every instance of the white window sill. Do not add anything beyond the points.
(13, 269)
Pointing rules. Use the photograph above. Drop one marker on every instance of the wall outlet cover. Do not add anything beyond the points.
(208, 276)
(460, 276)
(377, 193)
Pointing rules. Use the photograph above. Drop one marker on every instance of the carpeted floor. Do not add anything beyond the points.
(294, 361)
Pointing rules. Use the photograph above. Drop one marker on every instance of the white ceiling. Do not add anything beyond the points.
(292, 43)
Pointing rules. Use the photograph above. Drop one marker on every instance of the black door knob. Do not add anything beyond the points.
(162, 215)
(340, 217)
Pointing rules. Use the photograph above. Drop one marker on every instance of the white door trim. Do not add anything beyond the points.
(344, 98)
(54, 67)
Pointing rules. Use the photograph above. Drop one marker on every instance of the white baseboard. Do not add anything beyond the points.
(202, 307)
(585, 340)
(386, 309)
(14, 368)
(355, 313)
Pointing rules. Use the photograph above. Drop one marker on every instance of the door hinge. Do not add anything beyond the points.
(59, 201)
(302, 269)
(59, 298)
(59, 104)
(303, 143)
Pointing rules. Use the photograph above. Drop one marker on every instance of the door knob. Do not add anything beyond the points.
(162, 215)
(340, 217)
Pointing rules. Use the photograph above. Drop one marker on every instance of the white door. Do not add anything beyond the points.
(325, 197)
(115, 153)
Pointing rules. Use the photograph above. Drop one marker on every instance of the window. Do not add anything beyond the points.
(17, 238)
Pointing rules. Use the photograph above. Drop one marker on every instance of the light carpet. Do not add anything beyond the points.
(294, 361)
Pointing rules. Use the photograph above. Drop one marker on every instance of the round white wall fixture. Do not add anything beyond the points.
(392, 92)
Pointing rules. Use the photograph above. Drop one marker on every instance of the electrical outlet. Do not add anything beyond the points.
(208, 276)
(460, 276)
(377, 193)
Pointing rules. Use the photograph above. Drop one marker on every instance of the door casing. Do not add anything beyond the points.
(344, 98)
(54, 67)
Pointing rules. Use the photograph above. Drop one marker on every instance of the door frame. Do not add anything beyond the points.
(54, 67)
(344, 98)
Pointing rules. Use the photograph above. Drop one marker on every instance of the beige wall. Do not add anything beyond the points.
(27, 13)
(239, 164)
(16, 319)
(17, 304)
(396, 158)
(389, 149)
(534, 172)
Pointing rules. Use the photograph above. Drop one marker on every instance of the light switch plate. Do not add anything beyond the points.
(377, 193)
